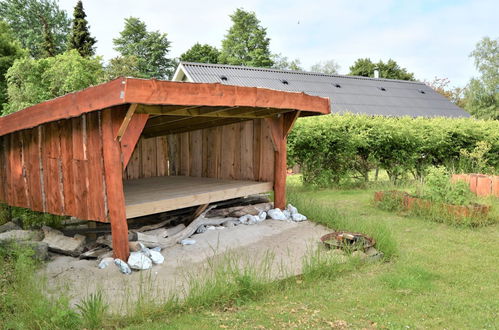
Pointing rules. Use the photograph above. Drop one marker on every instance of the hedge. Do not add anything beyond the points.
(334, 148)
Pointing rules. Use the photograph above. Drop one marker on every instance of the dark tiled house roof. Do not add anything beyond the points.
(362, 95)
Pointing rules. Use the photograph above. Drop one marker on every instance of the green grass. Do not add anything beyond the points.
(438, 276)
(434, 276)
(23, 305)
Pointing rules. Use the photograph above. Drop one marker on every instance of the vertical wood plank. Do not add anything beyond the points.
(184, 154)
(237, 151)
(172, 154)
(196, 152)
(114, 187)
(213, 152)
(33, 171)
(95, 168)
(247, 151)
(228, 152)
(16, 191)
(7, 188)
(51, 175)
(267, 153)
(204, 147)
(149, 161)
(133, 169)
(3, 171)
(79, 137)
(162, 155)
(257, 148)
(79, 165)
(68, 179)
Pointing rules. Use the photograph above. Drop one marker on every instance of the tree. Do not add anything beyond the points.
(453, 94)
(31, 81)
(327, 67)
(80, 38)
(391, 70)
(482, 94)
(40, 25)
(201, 54)
(282, 63)
(150, 49)
(123, 66)
(10, 50)
(246, 42)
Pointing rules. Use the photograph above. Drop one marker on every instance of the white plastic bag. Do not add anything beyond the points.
(156, 257)
(139, 261)
(292, 210)
(276, 214)
(298, 217)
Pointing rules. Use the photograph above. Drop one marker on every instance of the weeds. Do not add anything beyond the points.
(474, 216)
(23, 304)
(93, 310)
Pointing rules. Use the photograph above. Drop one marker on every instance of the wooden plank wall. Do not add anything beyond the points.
(241, 151)
(56, 168)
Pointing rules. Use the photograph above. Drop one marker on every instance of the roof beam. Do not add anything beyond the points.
(188, 126)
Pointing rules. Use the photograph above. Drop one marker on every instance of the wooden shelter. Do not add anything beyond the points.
(132, 147)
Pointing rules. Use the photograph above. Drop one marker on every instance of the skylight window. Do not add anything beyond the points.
(224, 78)
(337, 85)
(284, 81)
(422, 91)
(382, 89)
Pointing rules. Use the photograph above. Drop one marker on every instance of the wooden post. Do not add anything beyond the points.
(280, 127)
(280, 170)
(113, 168)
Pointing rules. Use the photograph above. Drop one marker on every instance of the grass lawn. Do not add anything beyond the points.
(436, 276)
(442, 277)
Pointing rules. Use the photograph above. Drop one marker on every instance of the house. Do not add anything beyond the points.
(134, 147)
(360, 95)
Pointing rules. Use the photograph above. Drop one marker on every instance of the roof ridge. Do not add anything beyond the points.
(251, 68)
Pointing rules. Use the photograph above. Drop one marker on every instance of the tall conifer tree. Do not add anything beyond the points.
(80, 38)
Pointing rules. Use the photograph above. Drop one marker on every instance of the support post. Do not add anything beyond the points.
(280, 170)
(280, 127)
(113, 168)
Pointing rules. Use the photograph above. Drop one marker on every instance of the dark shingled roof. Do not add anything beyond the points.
(362, 95)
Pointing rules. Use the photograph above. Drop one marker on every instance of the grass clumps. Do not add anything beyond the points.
(330, 217)
(440, 200)
(93, 310)
(23, 304)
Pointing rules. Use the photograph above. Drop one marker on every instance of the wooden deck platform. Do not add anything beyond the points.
(161, 194)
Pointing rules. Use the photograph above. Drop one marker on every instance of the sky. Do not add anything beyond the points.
(428, 37)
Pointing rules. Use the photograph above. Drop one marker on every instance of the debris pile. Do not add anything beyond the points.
(147, 236)
(356, 244)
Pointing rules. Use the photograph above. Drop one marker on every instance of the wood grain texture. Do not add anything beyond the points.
(154, 195)
(131, 136)
(3, 170)
(32, 167)
(96, 192)
(57, 168)
(114, 187)
(240, 151)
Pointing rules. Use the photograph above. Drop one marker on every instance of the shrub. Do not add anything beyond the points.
(335, 149)
(439, 188)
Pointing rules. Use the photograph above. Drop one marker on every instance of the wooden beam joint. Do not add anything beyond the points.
(126, 121)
